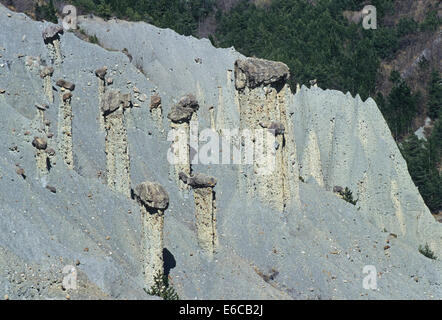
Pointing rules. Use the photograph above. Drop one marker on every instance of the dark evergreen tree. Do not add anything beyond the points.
(435, 95)
(46, 12)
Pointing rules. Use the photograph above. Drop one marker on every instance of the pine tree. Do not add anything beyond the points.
(161, 288)
(46, 12)
(435, 95)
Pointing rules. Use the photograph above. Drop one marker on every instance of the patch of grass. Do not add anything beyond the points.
(162, 288)
(426, 251)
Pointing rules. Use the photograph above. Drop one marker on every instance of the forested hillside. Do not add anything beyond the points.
(317, 42)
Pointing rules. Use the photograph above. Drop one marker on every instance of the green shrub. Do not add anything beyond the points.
(93, 39)
(431, 22)
(347, 195)
(426, 251)
(161, 288)
(435, 95)
(407, 26)
(104, 9)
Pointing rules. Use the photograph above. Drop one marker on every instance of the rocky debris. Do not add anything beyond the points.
(198, 180)
(101, 73)
(52, 33)
(52, 189)
(50, 152)
(155, 101)
(126, 100)
(65, 84)
(42, 107)
(392, 236)
(338, 189)
(274, 126)
(142, 97)
(184, 109)
(112, 101)
(46, 72)
(254, 72)
(152, 195)
(32, 62)
(126, 52)
(21, 172)
(40, 143)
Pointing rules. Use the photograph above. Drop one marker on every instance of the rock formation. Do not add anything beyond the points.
(51, 37)
(101, 76)
(153, 200)
(65, 144)
(252, 73)
(46, 74)
(156, 109)
(117, 153)
(205, 209)
(263, 97)
(40, 144)
(318, 250)
(180, 116)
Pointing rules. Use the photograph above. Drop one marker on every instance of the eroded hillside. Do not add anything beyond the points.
(86, 181)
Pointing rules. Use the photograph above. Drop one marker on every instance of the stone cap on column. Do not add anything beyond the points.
(40, 143)
(198, 180)
(101, 73)
(254, 72)
(46, 71)
(152, 195)
(52, 33)
(183, 110)
(65, 84)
